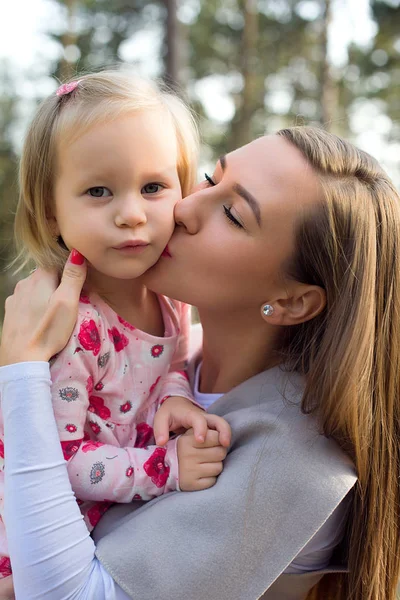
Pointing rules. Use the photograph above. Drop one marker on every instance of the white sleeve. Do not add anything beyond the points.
(52, 554)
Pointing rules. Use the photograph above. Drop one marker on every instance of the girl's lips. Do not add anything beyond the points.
(166, 252)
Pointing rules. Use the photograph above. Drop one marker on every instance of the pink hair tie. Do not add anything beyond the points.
(67, 88)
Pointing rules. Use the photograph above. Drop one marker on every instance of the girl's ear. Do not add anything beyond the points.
(53, 226)
(303, 304)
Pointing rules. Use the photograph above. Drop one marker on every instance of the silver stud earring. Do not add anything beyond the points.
(268, 310)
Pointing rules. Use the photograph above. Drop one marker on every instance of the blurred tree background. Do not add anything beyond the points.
(247, 66)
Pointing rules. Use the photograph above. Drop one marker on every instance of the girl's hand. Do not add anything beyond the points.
(177, 413)
(199, 463)
(7, 588)
(41, 313)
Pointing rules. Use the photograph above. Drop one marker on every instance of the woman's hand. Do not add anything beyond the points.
(41, 313)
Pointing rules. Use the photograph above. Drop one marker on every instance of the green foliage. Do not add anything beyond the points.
(8, 186)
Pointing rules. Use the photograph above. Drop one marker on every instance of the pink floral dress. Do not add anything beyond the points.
(108, 383)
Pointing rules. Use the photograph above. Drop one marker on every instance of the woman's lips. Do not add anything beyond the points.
(166, 252)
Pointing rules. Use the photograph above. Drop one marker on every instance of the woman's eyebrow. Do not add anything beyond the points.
(243, 193)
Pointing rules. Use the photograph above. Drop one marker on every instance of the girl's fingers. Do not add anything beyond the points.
(198, 423)
(212, 469)
(161, 428)
(220, 425)
(211, 455)
(204, 483)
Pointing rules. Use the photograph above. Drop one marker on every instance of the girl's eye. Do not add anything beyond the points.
(99, 192)
(151, 188)
(209, 179)
(231, 218)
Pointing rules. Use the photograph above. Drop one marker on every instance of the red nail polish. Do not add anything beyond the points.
(76, 258)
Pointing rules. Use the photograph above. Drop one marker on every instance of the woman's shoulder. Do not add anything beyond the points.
(271, 429)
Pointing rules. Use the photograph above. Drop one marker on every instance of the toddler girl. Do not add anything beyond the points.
(104, 163)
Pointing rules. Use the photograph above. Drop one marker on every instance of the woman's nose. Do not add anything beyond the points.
(186, 213)
(131, 212)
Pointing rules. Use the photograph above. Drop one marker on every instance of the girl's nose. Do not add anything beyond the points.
(131, 213)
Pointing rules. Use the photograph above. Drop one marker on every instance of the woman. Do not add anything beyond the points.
(290, 251)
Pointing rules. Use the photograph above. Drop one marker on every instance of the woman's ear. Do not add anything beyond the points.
(303, 303)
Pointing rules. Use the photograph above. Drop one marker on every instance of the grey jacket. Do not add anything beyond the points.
(280, 483)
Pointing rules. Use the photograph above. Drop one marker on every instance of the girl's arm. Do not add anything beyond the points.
(99, 468)
(51, 551)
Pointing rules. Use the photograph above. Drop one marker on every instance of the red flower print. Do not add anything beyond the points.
(96, 406)
(157, 350)
(144, 433)
(124, 408)
(91, 446)
(129, 472)
(118, 339)
(5, 566)
(95, 513)
(89, 384)
(137, 497)
(97, 472)
(99, 386)
(126, 324)
(70, 428)
(156, 468)
(84, 299)
(95, 427)
(1, 449)
(86, 436)
(153, 387)
(70, 448)
(89, 336)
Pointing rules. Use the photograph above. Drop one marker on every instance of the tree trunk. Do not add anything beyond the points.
(328, 89)
(172, 35)
(69, 38)
(252, 96)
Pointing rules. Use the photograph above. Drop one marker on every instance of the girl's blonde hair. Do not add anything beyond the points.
(350, 245)
(98, 98)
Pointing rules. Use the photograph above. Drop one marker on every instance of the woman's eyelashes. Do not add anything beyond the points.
(209, 179)
(227, 211)
(231, 218)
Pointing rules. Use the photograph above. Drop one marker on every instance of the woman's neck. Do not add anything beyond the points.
(130, 299)
(235, 348)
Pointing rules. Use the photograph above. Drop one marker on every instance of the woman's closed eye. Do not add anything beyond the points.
(227, 211)
(231, 218)
(100, 191)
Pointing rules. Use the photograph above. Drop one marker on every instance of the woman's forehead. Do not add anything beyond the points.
(272, 163)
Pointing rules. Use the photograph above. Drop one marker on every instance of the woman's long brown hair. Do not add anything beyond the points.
(350, 245)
